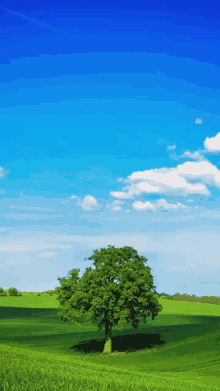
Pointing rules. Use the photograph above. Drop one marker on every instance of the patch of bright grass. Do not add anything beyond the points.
(178, 351)
(22, 370)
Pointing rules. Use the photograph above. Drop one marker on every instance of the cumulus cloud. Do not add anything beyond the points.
(161, 204)
(198, 121)
(1, 172)
(88, 203)
(172, 147)
(204, 171)
(183, 180)
(2, 192)
(212, 143)
(172, 181)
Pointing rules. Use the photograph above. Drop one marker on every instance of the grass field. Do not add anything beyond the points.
(179, 350)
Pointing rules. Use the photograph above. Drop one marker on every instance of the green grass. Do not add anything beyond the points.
(179, 350)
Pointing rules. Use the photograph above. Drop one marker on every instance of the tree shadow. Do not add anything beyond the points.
(44, 314)
(128, 340)
(123, 343)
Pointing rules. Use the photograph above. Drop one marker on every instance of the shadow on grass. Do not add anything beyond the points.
(44, 314)
(129, 340)
(124, 343)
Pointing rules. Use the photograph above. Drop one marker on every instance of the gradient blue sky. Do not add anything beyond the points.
(110, 135)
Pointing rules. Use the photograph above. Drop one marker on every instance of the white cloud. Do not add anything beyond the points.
(138, 205)
(48, 254)
(193, 155)
(171, 181)
(203, 170)
(198, 121)
(212, 143)
(183, 180)
(2, 191)
(88, 203)
(172, 147)
(160, 204)
(1, 173)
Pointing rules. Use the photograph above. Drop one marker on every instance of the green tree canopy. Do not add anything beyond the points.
(119, 290)
(14, 292)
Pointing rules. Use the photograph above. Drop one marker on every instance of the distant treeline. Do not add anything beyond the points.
(14, 292)
(177, 297)
(193, 298)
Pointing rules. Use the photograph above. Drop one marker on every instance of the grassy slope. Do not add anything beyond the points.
(181, 343)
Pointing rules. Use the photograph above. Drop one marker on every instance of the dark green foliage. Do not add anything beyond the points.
(14, 292)
(192, 298)
(119, 290)
(50, 292)
(2, 293)
(169, 297)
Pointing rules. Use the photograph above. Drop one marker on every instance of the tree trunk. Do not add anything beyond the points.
(108, 337)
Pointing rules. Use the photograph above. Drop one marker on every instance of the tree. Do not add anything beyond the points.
(1, 291)
(14, 292)
(119, 290)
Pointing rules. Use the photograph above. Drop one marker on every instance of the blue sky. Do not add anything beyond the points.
(110, 135)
